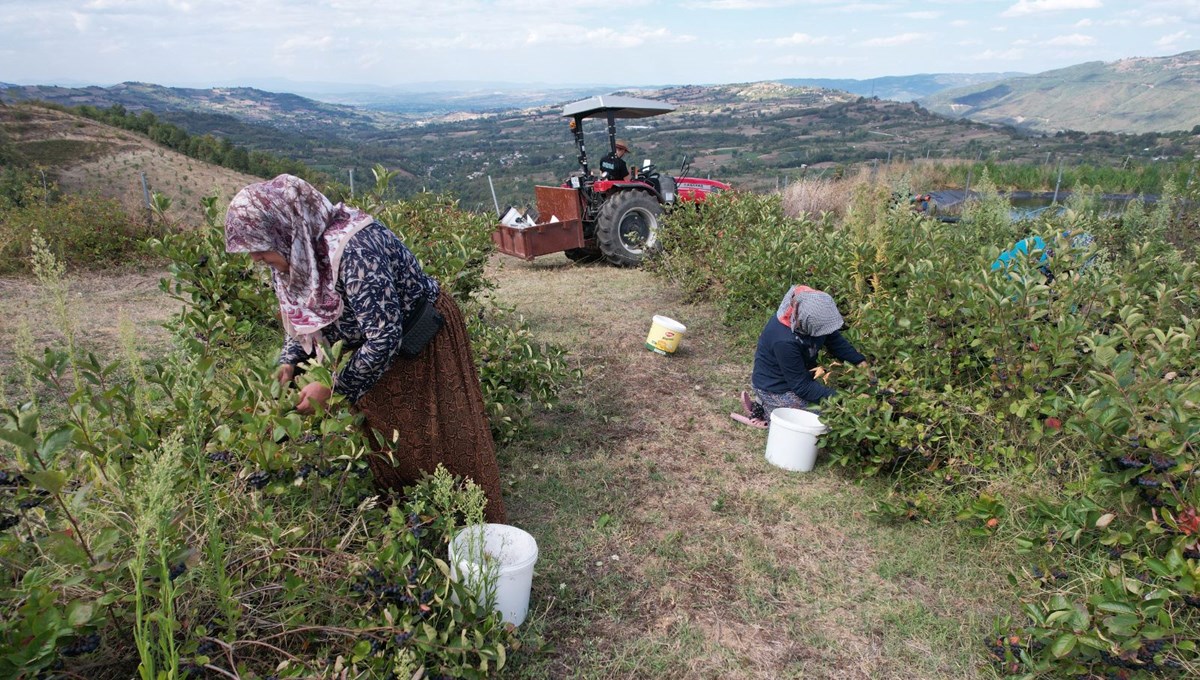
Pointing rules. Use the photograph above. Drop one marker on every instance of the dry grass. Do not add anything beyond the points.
(109, 162)
(98, 302)
(812, 196)
(670, 548)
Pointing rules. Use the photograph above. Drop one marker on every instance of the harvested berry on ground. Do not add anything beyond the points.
(259, 479)
(84, 645)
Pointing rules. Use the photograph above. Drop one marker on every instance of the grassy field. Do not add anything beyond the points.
(671, 548)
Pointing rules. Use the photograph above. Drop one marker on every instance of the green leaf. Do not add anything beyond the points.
(1116, 608)
(1122, 624)
(80, 613)
(1063, 645)
(55, 442)
(20, 440)
(50, 480)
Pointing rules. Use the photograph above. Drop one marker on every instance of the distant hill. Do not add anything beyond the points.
(282, 111)
(1142, 94)
(756, 135)
(89, 157)
(901, 88)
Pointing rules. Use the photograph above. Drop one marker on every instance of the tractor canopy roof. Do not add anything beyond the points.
(620, 107)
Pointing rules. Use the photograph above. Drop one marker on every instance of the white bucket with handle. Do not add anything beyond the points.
(792, 439)
(496, 561)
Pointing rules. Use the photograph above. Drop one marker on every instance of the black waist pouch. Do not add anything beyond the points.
(420, 325)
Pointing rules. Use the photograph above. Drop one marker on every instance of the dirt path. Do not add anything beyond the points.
(670, 548)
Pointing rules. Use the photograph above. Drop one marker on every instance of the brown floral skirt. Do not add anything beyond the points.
(429, 410)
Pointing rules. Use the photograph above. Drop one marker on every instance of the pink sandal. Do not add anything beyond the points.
(747, 403)
(746, 420)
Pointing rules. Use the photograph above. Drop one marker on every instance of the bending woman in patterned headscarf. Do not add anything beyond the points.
(341, 276)
(785, 362)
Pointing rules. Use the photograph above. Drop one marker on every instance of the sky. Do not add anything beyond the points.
(208, 43)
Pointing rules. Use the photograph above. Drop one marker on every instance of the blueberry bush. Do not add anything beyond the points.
(174, 517)
(1057, 416)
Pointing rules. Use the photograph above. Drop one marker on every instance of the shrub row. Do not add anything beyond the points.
(1082, 393)
(176, 518)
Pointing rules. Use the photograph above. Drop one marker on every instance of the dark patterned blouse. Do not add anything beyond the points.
(380, 281)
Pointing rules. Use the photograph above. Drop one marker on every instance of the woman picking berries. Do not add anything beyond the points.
(785, 362)
(341, 276)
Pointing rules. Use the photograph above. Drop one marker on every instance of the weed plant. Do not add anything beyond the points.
(1057, 418)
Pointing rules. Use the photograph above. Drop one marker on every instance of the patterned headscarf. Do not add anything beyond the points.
(288, 216)
(808, 311)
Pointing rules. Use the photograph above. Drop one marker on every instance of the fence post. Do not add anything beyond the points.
(146, 197)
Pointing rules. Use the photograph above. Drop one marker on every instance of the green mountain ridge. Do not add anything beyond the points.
(1136, 95)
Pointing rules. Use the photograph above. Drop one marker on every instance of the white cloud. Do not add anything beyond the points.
(960, 23)
(922, 16)
(795, 39)
(599, 37)
(1172, 39)
(1072, 40)
(738, 4)
(1024, 7)
(1083, 23)
(301, 43)
(1161, 21)
(894, 40)
(82, 21)
(1015, 54)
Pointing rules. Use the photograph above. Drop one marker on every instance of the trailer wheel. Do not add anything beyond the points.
(627, 227)
(584, 255)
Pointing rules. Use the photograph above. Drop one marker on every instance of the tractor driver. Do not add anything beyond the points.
(612, 166)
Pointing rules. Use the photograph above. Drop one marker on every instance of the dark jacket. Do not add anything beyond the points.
(783, 361)
(613, 167)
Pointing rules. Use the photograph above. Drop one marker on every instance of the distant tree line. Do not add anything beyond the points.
(208, 148)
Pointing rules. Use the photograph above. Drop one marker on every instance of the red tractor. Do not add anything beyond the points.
(590, 217)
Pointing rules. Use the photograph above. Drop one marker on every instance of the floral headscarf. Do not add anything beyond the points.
(288, 216)
(808, 311)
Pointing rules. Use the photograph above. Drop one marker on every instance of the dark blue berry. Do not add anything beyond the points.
(82, 645)
(258, 479)
(9, 521)
(177, 570)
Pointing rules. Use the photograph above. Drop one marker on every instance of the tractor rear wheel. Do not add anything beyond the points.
(584, 255)
(627, 227)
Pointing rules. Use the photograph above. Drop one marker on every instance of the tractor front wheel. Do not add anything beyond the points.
(627, 227)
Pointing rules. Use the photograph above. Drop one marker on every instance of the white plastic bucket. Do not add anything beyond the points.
(496, 561)
(665, 334)
(792, 439)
